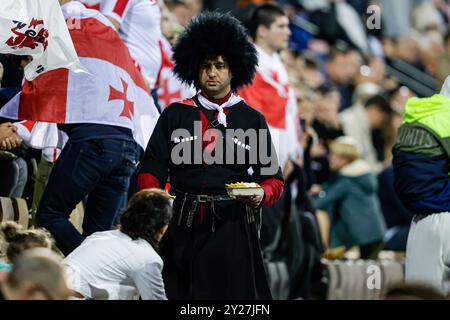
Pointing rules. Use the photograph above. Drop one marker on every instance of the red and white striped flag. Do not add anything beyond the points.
(113, 92)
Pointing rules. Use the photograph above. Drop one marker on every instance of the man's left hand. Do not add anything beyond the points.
(253, 201)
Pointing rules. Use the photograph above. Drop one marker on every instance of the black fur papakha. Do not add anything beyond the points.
(209, 35)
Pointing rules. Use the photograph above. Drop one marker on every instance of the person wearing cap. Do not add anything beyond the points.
(212, 250)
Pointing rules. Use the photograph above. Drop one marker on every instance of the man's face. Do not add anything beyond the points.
(215, 78)
(277, 35)
(339, 69)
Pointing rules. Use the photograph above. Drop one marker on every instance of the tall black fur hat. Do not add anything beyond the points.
(211, 34)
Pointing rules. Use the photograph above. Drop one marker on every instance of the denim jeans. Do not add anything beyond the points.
(99, 169)
(14, 176)
(133, 188)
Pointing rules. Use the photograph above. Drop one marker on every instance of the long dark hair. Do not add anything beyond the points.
(148, 211)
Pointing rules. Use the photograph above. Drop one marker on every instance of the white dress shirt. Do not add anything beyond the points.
(110, 265)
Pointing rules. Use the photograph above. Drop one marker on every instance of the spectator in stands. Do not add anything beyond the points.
(361, 120)
(17, 240)
(123, 264)
(14, 173)
(350, 199)
(338, 21)
(310, 73)
(408, 50)
(13, 169)
(405, 62)
(170, 28)
(326, 120)
(97, 160)
(340, 71)
(183, 10)
(399, 96)
(395, 22)
(271, 94)
(336, 66)
(36, 275)
(327, 126)
(443, 69)
(373, 72)
(139, 26)
(421, 179)
(292, 64)
(313, 147)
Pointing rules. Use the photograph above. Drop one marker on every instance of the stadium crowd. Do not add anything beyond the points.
(332, 82)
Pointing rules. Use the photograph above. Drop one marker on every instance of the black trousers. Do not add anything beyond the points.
(217, 257)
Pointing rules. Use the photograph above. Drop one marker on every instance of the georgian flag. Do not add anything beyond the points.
(37, 28)
(41, 135)
(271, 94)
(44, 136)
(170, 88)
(269, 91)
(113, 92)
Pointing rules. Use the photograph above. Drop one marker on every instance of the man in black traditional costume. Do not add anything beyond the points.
(211, 249)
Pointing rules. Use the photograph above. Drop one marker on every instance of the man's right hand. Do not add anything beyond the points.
(9, 139)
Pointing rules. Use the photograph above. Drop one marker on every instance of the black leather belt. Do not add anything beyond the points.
(201, 198)
(196, 199)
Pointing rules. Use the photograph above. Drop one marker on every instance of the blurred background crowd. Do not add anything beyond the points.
(353, 64)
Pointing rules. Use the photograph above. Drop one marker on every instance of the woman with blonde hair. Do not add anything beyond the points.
(17, 240)
(350, 199)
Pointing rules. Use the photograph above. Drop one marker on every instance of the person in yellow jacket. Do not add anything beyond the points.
(422, 181)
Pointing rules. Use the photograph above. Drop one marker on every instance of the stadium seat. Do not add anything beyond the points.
(76, 217)
(6, 210)
(21, 215)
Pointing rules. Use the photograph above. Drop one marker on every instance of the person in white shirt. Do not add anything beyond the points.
(270, 92)
(124, 264)
(139, 26)
(272, 95)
